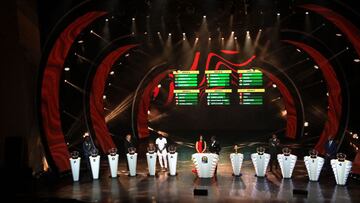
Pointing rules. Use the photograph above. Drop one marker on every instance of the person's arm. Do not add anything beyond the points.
(204, 148)
(197, 147)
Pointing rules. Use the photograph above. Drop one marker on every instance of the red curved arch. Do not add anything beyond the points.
(96, 98)
(334, 89)
(51, 122)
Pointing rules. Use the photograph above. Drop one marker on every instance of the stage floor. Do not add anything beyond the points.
(223, 188)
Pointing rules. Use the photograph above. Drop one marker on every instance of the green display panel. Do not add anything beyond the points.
(250, 78)
(218, 78)
(186, 97)
(186, 79)
(251, 96)
(218, 96)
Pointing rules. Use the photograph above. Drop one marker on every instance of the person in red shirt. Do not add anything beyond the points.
(200, 145)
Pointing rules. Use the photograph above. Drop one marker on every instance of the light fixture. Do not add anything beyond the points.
(307, 13)
(327, 93)
(298, 50)
(306, 124)
(222, 38)
(159, 86)
(338, 34)
(81, 41)
(133, 19)
(66, 68)
(274, 85)
(127, 55)
(104, 96)
(278, 14)
(112, 73)
(316, 67)
(106, 19)
(232, 32)
(170, 34)
(260, 30)
(209, 38)
(91, 31)
(204, 16)
(356, 60)
(235, 38)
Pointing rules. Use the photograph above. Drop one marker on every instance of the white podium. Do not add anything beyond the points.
(95, 166)
(313, 167)
(260, 161)
(287, 164)
(113, 162)
(236, 162)
(75, 168)
(151, 161)
(132, 161)
(205, 164)
(172, 160)
(341, 170)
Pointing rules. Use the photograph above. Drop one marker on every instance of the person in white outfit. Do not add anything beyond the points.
(161, 151)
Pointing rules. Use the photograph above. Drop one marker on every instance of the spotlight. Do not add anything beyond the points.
(356, 60)
(133, 19)
(327, 93)
(66, 68)
(306, 124)
(112, 73)
(209, 38)
(338, 34)
(145, 33)
(81, 41)
(91, 31)
(158, 33)
(222, 38)
(148, 112)
(260, 30)
(183, 34)
(104, 96)
(204, 17)
(298, 50)
(316, 67)
(126, 55)
(274, 85)
(278, 14)
(170, 34)
(159, 86)
(248, 32)
(106, 19)
(235, 38)
(232, 32)
(197, 39)
(307, 13)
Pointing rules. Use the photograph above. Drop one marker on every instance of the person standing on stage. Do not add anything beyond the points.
(214, 148)
(200, 145)
(128, 143)
(330, 151)
(274, 143)
(161, 151)
(88, 146)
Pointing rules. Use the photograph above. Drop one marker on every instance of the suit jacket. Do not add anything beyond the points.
(331, 148)
(215, 148)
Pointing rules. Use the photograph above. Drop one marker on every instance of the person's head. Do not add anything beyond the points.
(213, 138)
(86, 137)
(330, 138)
(236, 147)
(128, 137)
(273, 136)
(201, 137)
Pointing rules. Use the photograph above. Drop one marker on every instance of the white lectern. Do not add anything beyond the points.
(75, 168)
(172, 159)
(95, 166)
(113, 162)
(132, 160)
(236, 162)
(151, 161)
(341, 170)
(205, 164)
(260, 162)
(287, 164)
(314, 166)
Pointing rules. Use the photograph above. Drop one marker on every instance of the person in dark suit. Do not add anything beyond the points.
(214, 148)
(274, 143)
(330, 151)
(128, 143)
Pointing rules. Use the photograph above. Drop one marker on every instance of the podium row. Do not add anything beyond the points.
(113, 160)
(206, 163)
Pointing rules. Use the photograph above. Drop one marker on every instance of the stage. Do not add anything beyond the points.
(223, 188)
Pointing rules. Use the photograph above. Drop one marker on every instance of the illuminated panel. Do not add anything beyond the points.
(218, 96)
(186, 79)
(250, 78)
(218, 78)
(185, 97)
(251, 96)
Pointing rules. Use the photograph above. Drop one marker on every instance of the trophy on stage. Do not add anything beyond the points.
(260, 159)
(236, 161)
(132, 160)
(75, 165)
(287, 162)
(313, 164)
(172, 159)
(151, 159)
(341, 168)
(95, 163)
(113, 158)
